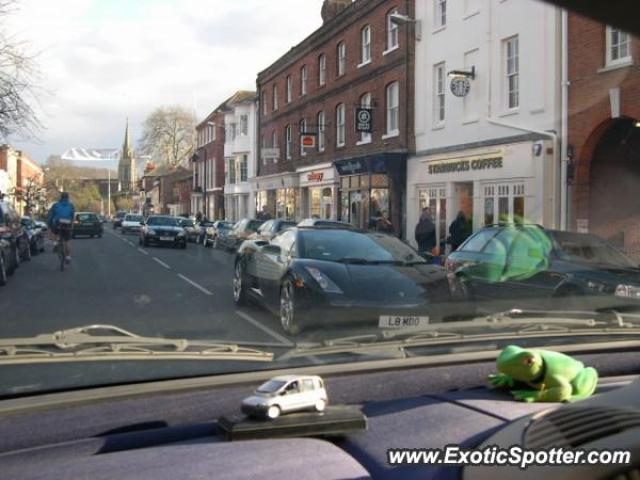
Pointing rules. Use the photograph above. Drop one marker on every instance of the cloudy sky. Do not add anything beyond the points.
(102, 61)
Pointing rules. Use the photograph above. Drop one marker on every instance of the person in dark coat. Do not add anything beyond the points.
(425, 232)
(459, 231)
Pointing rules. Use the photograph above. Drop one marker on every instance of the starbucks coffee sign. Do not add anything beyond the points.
(456, 166)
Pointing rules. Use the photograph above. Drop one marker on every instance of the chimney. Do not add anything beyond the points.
(332, 8)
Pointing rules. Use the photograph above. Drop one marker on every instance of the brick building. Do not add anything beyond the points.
(358, 59)
(20, 177)
(603, 133)
(208, 165)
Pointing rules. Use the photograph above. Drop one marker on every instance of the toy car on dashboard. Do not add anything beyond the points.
(284, 394)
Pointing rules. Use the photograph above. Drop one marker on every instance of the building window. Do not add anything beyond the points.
(303, 129)
(365, 101)
(213, 132)
(231, 170)
(365, 43)
(392, 31)
(303, 80)
(232, 131)
(322, 69)
(618, 46)
(264, 103)
(393, 108)
(244, 160)
(275, 97)
(287, 138)
(340, 125)
(274, 144)
(289, 89)
(512, 61)
(439, 93)
(341, 58)
(244, 125)
(504, 203)
(321, 131)
(440, 13)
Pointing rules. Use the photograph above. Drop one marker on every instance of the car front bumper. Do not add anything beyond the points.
(163, 240)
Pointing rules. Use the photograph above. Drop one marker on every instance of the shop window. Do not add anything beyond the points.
(315, 201)
(435, 198)
(327, 203)
(379, 180)
(344, 183)
(504, 203)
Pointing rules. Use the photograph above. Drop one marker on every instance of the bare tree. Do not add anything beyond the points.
(17, 83)
(32, 194)
(169, 135)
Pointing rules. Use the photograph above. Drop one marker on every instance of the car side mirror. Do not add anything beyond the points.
(283, 393)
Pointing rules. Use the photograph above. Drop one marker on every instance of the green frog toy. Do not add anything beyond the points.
(552, 376)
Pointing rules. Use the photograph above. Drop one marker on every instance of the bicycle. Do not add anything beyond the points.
(64, 227)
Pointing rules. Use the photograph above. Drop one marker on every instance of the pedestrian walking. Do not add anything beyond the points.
(459, 231)
(425, 232)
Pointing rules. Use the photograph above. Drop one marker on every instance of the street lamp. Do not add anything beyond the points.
(400, 20)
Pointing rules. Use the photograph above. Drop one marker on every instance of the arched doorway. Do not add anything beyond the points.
(614, 186)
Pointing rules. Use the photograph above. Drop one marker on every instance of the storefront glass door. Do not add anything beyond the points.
(435, 198)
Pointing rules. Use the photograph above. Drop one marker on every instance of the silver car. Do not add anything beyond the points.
(131, 224)
(287, 393)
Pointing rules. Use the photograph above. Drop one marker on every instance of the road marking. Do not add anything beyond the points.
(131, 243)
(285, 341)
(162, 263)
(144, 252)
(194, 284)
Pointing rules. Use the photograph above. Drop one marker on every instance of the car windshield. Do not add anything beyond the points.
(162, 222)
(345, 245)
(590, 249)
(306, 174)
(271, 386)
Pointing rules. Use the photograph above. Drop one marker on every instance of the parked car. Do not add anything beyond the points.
(5, 253)
(316, 276)
(190, 229)
(119, 217)
(530, 262)
(86, 223)
(286, 393)
(163, 229)
(219, 228)
(42, 225)
(12, 231)
(35, 234)
(271, 228)
(202, 229)
(318, 222)
(131, 224)
(240, 232)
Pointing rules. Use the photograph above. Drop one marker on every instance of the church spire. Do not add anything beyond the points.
(126, 147)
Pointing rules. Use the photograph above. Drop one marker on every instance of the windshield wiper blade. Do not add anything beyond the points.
(364, 261)
(504, 326)
(81, 344)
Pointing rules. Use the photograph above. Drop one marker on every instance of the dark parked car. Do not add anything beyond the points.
(163, 229)
(219, 228)
(86, 224)
(240, 232)
(271, 228)
(12, 231)
(35, 233)
(318, 222)
(5, 252)
(529, 262)
(317, 276)
(119, 217)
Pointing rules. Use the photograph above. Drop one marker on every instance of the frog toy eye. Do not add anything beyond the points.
(528, 361)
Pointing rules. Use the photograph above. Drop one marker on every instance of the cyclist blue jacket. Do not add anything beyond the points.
(61, 209)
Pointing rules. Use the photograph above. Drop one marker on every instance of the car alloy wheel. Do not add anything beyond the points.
(239, 295)
(320, 405)
(288, 308)
(273, 412)
(3, 272)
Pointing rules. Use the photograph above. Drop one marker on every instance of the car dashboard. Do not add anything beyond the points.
(172, 433)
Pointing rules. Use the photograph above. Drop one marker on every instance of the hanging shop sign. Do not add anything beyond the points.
(308, 140)
(460, 86)
(364, 120)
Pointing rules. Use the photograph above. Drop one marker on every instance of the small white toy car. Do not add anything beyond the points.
(287, 393)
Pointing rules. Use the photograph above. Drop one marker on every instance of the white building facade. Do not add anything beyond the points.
(487, 89)
(240, 156)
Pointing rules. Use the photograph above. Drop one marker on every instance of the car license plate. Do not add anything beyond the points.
(402, 322)
(166, 239)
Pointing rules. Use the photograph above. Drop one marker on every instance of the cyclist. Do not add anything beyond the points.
(60, 222)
